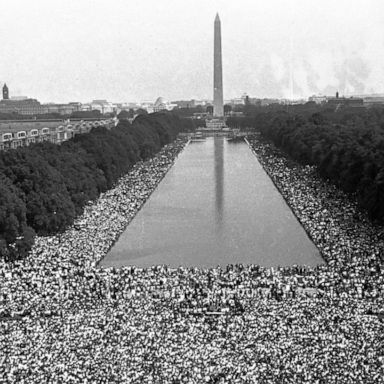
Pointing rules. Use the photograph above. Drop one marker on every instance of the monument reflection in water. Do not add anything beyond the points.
(219, 183)
(216, 206)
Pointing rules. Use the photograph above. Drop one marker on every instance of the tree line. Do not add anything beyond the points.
(346, 146)
(44, 186)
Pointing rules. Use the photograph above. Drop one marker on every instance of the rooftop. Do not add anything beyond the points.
(27, 125)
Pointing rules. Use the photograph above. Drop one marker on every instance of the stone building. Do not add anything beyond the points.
(15, 134)
(5, 92)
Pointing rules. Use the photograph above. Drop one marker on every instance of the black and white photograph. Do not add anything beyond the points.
(192, 192)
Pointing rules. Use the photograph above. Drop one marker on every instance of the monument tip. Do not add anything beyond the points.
(217, 18)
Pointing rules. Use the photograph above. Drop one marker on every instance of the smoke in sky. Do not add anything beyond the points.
(55, 50)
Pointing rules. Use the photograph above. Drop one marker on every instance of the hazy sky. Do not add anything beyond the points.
(134, 50)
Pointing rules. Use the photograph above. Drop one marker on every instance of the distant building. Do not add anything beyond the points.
(103, 106)
(244, 97)
(292, 101)
(34, 107)
(5, 92)
(20, 134)
(236, 101)
(203, 102)
(76, 105)
(19, 98)
(23, 107)
(61, 109)
(371, 101)
(185, 103)
(160, 105)
(339, 102)
(86, 108)
(15, 134)
(163, 105)
(147, 106)
(242, 100)
(193, 103)
(318, 99)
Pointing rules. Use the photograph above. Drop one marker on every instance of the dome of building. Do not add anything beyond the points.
(160, 101)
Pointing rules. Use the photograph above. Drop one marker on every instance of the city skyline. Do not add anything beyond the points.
(53, 51)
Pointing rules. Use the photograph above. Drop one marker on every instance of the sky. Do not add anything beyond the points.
(136, 50)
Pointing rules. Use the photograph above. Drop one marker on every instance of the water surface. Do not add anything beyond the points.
(216, 206)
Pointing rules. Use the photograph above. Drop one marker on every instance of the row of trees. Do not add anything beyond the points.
(347, 148)
(43, 187)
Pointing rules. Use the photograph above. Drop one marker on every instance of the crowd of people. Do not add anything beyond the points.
(65, 319)
(351, 245)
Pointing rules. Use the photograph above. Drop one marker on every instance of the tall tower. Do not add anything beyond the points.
(5, 92)
(218, 108)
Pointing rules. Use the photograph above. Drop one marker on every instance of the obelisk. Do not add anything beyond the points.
(218, 108)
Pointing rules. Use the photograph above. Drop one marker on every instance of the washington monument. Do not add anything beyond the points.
(218, 109)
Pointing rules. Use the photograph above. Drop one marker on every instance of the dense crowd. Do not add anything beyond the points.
(350, 244)
(64, 319)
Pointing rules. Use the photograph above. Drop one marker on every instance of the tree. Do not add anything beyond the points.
(44, 186)
(141, 111)
(123, 115)
(347, 146)
(15, 235)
